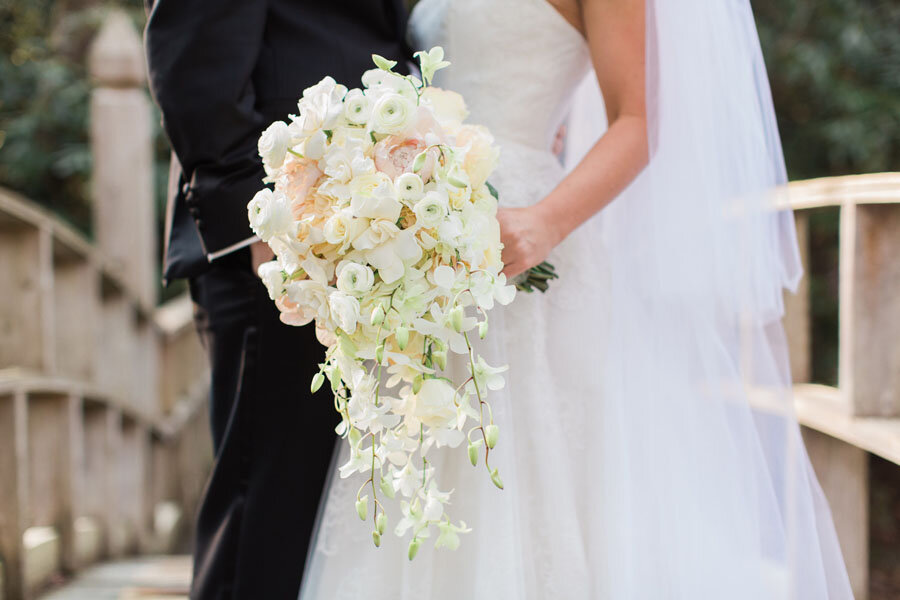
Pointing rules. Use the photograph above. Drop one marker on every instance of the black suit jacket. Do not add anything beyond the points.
(221, 71)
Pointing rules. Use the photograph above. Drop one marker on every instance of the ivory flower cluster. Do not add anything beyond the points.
(385, 234)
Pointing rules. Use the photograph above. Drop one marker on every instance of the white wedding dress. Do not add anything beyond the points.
(596, 505)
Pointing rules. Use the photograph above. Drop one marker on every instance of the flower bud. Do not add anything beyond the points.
(495, 477)
(335, 380)
(402, 335)
(417, 383)
(317, 381)
(362, 507)
(440, 359)
(482, 329)
(491, 433)
(387, 488)
(376, 537)
(379, 353)
(414, 548)
(474, 447)
(380, 523)
(377, 316)
(419, 161)
(456, 318)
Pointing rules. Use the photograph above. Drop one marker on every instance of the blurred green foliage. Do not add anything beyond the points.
(835, 72)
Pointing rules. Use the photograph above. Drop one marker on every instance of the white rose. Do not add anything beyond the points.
(374, 197)
(432, 209)
(449, 107)
(354, 278)
(274, 143)
(311, 298)
(378, 232)
(344, 310)
(342, 228)
(321, 105)
(315, 145)
(273, 277)
(410, 188)
(345, 162)
(357, 107)
(435, 406)
(270, 214)
(392, 114)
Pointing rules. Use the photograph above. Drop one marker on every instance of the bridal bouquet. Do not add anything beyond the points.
(385, 232)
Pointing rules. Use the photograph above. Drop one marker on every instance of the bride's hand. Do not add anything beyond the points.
(527, 238)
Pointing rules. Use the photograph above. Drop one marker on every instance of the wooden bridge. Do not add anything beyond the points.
(104, 446)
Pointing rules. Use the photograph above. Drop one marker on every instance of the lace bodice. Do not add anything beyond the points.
(516, 62)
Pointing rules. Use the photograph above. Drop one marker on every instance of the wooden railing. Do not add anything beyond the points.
(861, 416)
(104, 448)
(103, 442)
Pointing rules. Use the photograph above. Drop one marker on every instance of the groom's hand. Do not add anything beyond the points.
(260, 253)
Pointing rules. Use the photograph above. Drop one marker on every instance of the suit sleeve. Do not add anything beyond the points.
(201, 55)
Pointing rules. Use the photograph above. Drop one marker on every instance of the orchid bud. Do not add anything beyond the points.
(387, 488)
(419, 162)
(491, 433)
(380, 523)
(495, 477)
(456, 318)
(414, 548)
(335, 380)
(362, 507)
(376, 537)
(379, 353)
(440, 359)
(483, 329)
(402, 335)
(474, 448)
(317, 381)
(417, 383)
(377, 316)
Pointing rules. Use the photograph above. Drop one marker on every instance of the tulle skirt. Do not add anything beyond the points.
(627, 474)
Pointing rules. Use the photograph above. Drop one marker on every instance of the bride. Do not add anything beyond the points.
(649, 447)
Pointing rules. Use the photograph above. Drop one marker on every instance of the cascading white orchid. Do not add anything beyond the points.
(385, 235)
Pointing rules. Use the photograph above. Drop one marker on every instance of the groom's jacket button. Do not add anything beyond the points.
(185, 188)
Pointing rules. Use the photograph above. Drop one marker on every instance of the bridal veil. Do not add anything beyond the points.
(699, 454)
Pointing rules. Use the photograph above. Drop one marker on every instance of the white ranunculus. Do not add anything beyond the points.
(343, 162)
(273, 277)
(354, 278)
(435, 406)
(312, 297)
(432, 209)
(392, 114)
(274, 143)
(344, 310)
(410, 188)
(270, 214)
(357, 107)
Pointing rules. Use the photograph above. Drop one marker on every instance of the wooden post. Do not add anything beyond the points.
(797, 322)
(13, 492)
(122, 142)
(869, 321)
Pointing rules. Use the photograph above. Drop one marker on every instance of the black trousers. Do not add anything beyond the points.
(273, 440)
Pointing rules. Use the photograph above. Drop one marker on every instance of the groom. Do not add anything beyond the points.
(221, 71)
